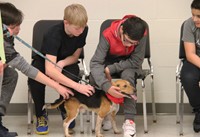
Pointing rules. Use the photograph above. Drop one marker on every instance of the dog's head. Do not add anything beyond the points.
(124, 86)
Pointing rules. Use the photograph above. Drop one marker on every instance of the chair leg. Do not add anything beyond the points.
(93, 122)
(181, 111)
(144, 107)
(30, 113)
(177, 102)
(88, 116)
(153, 100)
(81, 122)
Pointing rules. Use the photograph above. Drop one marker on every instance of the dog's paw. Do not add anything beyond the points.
(68, 136)
(99, 135)
(117, 131)
(71, 131)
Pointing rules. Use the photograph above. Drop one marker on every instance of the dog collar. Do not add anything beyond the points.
(114, 99)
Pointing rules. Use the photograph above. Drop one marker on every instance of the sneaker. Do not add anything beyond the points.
(42, 126)
(196, 122)
(45, 114)
(129, 128)
(106, 125)
(4, 132)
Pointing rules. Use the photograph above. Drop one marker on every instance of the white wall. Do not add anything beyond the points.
(163, 16)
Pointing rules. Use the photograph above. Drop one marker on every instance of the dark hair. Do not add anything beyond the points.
(134, 27)
(10, 14)
(195, 4)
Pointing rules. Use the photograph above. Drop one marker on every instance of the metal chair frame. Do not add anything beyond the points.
(179, 86)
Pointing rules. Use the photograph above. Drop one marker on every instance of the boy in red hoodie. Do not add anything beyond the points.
(120, 51)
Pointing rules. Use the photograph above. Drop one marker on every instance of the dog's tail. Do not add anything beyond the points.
(54, 105)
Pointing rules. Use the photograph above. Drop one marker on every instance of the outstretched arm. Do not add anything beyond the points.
(55, 74)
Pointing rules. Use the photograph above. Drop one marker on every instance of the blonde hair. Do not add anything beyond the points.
(76, 14)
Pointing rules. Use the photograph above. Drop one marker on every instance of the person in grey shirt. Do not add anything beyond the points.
(12, 18)
(190, 73)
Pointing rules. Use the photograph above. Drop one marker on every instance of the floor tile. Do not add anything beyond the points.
(165, 127)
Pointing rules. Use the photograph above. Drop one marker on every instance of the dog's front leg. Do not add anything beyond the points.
(98, 126)
(114, 125)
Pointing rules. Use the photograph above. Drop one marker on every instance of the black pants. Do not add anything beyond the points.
(38, 89)
(190, 77)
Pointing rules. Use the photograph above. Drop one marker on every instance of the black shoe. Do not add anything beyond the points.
(5, 133)
(196, 122)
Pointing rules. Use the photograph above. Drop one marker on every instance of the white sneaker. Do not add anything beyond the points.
(129, 128)
(106, 125)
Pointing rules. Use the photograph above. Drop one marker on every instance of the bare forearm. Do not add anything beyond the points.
(70, 60)
(60, 78)
(40, 77)
(194, 59)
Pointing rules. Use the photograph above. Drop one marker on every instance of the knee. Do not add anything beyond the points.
(129, 78)
(188, 78)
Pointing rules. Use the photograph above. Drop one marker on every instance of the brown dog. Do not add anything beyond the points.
(98, 103)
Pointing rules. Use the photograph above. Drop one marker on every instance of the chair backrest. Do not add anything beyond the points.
(108, 22)
(39, 29)
(181, 44)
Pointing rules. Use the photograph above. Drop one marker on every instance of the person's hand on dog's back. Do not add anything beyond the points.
(115, 92)
(87, 90)
(64, 91)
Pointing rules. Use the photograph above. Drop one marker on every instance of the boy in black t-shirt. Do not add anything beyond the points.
(62, 44)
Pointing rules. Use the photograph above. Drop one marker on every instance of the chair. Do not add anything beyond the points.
(39, 29)
(146, 72)
(179, 87)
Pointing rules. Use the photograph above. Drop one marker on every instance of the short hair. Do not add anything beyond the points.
(10, 14)
(134, 27)
(195, 4)
(76, 14)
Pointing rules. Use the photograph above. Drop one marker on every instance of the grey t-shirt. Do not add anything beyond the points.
(192, 34)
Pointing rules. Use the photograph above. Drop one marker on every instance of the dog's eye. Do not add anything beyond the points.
(125, 86)
(117, 85)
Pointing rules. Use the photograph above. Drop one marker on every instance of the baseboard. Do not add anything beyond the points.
(166, 108)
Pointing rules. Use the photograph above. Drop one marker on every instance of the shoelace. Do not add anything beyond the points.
(41, 121)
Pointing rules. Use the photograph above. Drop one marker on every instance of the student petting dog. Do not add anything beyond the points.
(12, 18)
(62, 44)
(98, 102)
(120, 51)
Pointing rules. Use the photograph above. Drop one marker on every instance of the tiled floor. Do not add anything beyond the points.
(165, 127)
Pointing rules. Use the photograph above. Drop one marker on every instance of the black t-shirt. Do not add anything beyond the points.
(57, 43)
